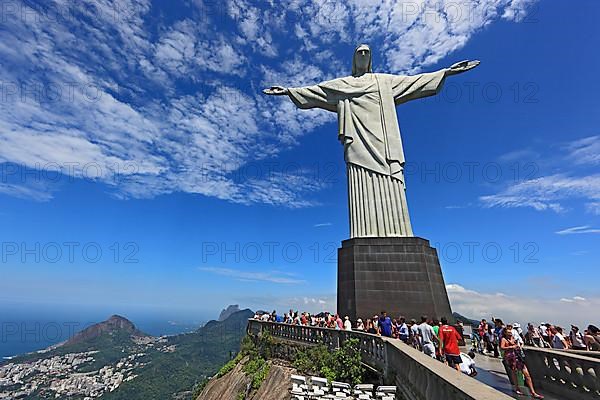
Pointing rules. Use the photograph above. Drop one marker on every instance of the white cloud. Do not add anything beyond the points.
(580, 253)
(457, 207)
(519, 155)
(271, 277)
(295, 72)
(254, 24)
(282, 188)
(578, 230)
(593, 207)
(523, 309)
(420, 33)
(519, 10)
(573, 300)
(26, 192)
(585, 151)
(313, 303)
(546, 193)
(183, 51)
(288, 122)
(567, 300)
(550, 192)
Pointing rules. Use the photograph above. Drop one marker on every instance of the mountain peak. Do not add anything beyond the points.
(115, 324)
(117, 319)
(237, 318)
(232, 309)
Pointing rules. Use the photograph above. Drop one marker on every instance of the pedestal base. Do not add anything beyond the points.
(399, 275)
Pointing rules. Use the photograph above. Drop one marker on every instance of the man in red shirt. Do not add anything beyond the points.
(482, 344)
(450, 337)
(303, 319)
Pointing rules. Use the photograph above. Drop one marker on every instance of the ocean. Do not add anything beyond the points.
(26, 328)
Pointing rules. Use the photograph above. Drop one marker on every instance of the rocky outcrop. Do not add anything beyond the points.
(227, 387)
(277, 384)
(275, 387)
(228, 311)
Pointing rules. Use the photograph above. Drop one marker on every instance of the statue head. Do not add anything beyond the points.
(362, 61)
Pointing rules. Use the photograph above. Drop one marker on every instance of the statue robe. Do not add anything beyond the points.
(369, 131)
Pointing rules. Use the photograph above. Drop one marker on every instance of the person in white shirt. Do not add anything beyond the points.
(544, 331)
(403, 332)
(347, 324)
(468, 364)
(359, 325)
(428, 337)
(517, 327)
(558, 340)
(414, 333)
(577, 338)
(516, 335)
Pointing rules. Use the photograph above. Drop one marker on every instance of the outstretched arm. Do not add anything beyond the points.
(315, 96)
(406, 88)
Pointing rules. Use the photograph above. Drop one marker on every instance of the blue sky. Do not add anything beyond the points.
(141, 167)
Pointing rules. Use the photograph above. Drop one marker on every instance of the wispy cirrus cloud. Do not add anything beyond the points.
(578, 230)
(546, 193)
(551, 192)
(518, 155)
(271, 277)
(593, 207)
(26, 192)
(585, 151)
(573, 299)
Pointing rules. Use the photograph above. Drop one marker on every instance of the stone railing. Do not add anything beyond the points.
(593, 354)
(372, 347)
(417, 376)
(567, 374)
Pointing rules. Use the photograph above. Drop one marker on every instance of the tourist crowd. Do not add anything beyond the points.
(487, 336)
(438, 339)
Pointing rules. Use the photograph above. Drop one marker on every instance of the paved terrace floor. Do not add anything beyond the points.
(491, 372)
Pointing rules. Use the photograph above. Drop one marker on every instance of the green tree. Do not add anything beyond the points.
(343, 364)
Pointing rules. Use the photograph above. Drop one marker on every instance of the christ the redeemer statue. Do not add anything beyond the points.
(368, 128)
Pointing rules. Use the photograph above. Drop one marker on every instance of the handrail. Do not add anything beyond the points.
(585, 353)
(568, 374)
(416, 375)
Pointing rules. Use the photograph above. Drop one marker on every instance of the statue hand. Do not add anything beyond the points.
(463, 66)
(276, 91)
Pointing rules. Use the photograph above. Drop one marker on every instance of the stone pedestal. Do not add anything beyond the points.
(399, 275)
